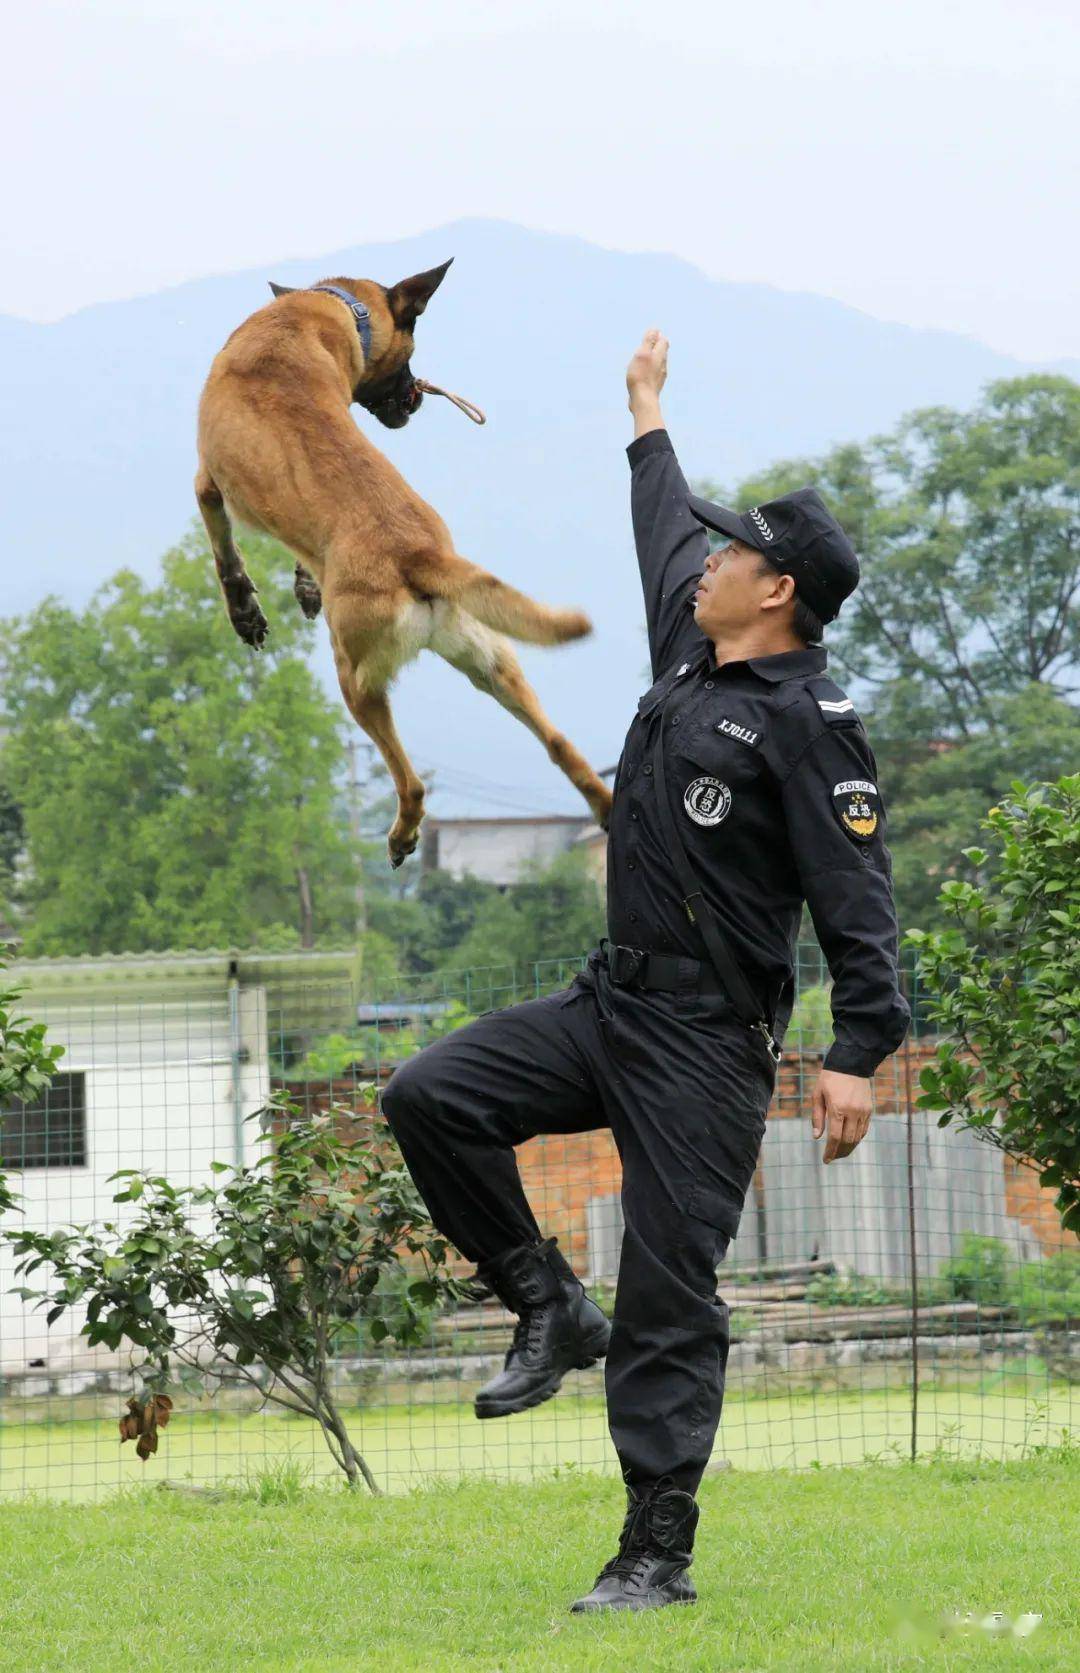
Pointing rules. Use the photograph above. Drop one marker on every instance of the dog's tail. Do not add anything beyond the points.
(491, 601)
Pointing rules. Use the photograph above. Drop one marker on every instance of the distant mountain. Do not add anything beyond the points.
(97, 419)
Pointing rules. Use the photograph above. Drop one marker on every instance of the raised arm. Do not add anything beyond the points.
(671, 544)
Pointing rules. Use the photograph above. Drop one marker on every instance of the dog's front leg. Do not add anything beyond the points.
(236, 584)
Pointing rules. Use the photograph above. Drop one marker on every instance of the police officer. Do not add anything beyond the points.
(745, 788)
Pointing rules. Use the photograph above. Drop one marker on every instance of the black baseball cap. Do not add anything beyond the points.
(799, 534)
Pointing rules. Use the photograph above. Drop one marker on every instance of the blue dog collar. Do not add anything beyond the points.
(359, 313)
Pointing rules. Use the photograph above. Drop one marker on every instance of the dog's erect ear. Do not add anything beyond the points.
(282, 290)
(411, 296)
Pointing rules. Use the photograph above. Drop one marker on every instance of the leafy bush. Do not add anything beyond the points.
(26, 1062)
(262, 1270)
(1048, 1291)
(1045, 1291)
(1005, 986)
(980, 1272)
(335, 1056)
(402, 1311)
(849, 1289)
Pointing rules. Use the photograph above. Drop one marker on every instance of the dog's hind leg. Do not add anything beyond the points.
(371, 711)
(491, 665)
(437, 574)
(237, 586)
(308, 592)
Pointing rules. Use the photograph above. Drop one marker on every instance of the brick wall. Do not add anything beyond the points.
(561, 1173)
(1030, 1203)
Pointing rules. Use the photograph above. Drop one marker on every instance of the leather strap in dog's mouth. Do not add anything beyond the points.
(467, 407)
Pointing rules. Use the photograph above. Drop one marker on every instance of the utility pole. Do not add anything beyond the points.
(354, 827)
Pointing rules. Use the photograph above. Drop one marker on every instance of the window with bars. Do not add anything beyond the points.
(48, 1131)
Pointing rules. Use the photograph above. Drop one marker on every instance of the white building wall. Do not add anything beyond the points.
(498, 852)
(166, 1080)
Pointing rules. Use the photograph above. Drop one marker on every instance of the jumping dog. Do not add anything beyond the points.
(278, 450)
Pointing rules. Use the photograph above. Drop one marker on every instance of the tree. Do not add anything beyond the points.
(11, 847)
(963, 638)
(431, 919)
(940, 794)
(175, 790)
(264, 1271)
(554, 912)
(1005, 985)
(457, 923)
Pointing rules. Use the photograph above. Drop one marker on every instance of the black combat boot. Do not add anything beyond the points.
(558, 1330)
(655, 1551)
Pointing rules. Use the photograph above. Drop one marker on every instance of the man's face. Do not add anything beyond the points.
(733, 588)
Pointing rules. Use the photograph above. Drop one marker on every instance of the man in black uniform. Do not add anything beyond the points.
(746, 786)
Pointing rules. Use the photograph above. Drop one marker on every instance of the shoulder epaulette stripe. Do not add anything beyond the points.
(835, 708)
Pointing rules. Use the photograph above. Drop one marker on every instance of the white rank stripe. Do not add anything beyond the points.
(835, 708)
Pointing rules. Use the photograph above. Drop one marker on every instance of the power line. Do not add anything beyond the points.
(517, 798)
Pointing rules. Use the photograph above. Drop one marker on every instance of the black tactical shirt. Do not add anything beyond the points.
(774, 785)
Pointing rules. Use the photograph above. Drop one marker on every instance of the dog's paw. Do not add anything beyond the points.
(308, 595)
(247, 619)
(250, 623)
(399, 848)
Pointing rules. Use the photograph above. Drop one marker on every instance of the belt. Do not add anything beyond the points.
(637, 967)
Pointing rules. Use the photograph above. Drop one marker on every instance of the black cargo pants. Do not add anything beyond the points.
(684, 1087)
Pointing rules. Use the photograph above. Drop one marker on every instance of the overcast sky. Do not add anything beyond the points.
(917, 158)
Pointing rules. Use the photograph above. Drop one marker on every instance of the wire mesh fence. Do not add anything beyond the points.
(920, 1297)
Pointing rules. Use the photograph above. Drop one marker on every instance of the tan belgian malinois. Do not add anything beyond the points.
(279, 451)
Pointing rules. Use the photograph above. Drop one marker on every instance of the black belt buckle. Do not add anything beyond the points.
(624, 963)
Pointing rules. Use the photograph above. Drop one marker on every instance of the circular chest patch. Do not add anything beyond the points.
(856, 804)
(707, 801)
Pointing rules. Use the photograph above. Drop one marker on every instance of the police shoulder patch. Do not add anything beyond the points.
(857, 806)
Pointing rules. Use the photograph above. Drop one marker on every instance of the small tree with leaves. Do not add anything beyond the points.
(260, 1271)
(27, 1062)
(1005, 985)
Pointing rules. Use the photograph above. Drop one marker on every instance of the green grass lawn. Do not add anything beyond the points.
(407, 1446)
(819, 1570)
